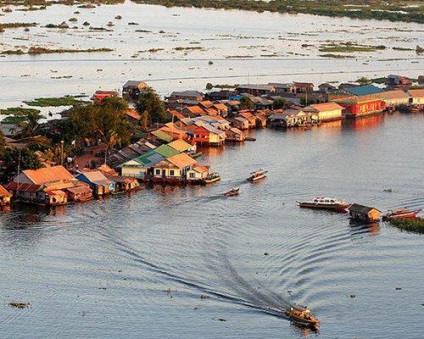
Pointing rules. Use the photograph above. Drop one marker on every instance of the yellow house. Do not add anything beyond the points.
(395, 98)
(327, 111)
(417, 96)
(173, 170)
(197, 174)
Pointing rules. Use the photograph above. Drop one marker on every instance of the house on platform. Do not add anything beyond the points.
(240, 123)
(396, 98)
(398, 82)
(97, 181)
(185, 98)
(221, 109)
(173, 170)
(5, 196)
(255, 90)
(183, 147)
(207, 135)
(234, 135)
(359, 101)
(132, 89)
(197, 174)
(328, 111)
(98, 96)
(220, 95)
(249, 117)
(139, 167)
(283, 87)
(365, 214)
(193, 111)
(417, 97)
(122, 184)
(161, 136)
(166, 151)
(326, 87)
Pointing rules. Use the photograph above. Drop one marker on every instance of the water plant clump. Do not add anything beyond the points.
(410, 225)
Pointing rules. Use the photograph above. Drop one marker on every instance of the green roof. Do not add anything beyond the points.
(166, 151)
(364, 90)
(162, 135)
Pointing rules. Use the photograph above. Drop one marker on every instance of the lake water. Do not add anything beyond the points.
(191, 263)
(243, 47)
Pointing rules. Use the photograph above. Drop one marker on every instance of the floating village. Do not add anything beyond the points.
(170, 153)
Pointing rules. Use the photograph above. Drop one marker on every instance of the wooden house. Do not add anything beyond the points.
(221, 109)
(417, 97)
(283, 87)
(394, 99)
(197, 174)
(5, 196)
(132, 89)
(261, 120)
(173, 170)
(139, 167)
(326, 87)
(250, 118)
(397, 82)
(79, 193)
(256, 90)
(234, 135)
(208, 135)
(193, 111)
(98, 96)
(329, 111)
(97, 181)
(364, 214)
(240, 123)
(183, 147)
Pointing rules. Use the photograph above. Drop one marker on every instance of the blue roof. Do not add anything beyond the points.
(364, 90)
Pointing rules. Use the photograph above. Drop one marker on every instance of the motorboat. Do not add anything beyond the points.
(212, 177)
(402, 213)
(325, 203)
(257, 175)
(302, 315)
(232, 192)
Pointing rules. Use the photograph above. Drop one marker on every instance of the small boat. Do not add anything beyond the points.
(402, 213)
(212, 177)
(302, 315)
(325, 203)
(257, 175)
(232, 192)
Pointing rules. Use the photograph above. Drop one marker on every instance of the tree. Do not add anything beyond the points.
(363, 81)
(2, 141)
(30, 124)
(279, 103)
(150, 102)
(15, 160)
(209, 86)
(246, 103)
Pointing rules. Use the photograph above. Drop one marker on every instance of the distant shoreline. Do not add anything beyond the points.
(366, 10)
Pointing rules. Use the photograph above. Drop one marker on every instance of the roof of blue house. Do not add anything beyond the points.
(364, 90)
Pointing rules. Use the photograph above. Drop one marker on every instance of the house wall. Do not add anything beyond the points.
(417, 100)
(330, 115)
(160, 172)
(135, 172)
(365, 108)
(194, 175)
(397, 101)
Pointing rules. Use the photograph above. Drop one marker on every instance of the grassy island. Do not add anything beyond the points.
(54, 102)
(399, 10)
(412, 225)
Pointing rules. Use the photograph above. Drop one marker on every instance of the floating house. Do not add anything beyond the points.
(394, 99)
(173, 170)
(359, 101)
(234, 135)
(417, 97)
(97, 181)
(132, 89)
(364, 213)
(139, 167)
(208, 135)
(329, 111)
(98, 96)
(197, 175)
(256, 90)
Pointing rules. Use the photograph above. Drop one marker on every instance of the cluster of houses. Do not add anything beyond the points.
(168, 154)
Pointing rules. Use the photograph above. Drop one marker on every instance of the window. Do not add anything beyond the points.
(157, 171)
(192, 175)
(172, 173)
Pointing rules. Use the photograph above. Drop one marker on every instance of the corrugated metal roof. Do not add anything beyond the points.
(48, 174)
(417, 93)
(166, 151)
(182, 160)
(162, 135)
(364, 90)
(327, 106)
(361, 208)
(180, 145)
(95, 176)
(396, 95)
(4, 192)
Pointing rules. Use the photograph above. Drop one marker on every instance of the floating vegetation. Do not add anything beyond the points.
(187, 48)
(238, 56)
(18, 304)
(42, 50)
(54, 102)
(18, 111)
(336, 56)
(411, 225)
(13, 52)
(4, 26)
(403, 49)
(350, 47)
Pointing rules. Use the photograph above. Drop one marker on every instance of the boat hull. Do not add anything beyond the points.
(257, 178)
(397, 216)
(330, 207)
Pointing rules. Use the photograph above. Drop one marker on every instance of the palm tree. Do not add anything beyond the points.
(30, 124)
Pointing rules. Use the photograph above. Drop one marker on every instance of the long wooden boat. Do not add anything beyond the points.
(402, 213)
(324, 203)
(257, 175)
(212, 177)
(302, 315)
(232, 192)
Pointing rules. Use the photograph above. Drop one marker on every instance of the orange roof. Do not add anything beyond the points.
(395, 95)
(221, 107)
(195, 110)
(206, 103)
(49, 174)
(417, 93)
(180, 145)
(177, 114)
(133, 114)
(201, 169)
(327, 106)
(182, 160)
(4, 192)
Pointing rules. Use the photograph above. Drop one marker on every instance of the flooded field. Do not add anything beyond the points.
(180, 48)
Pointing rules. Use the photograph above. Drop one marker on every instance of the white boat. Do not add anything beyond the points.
(257, 175)
(325, 203)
